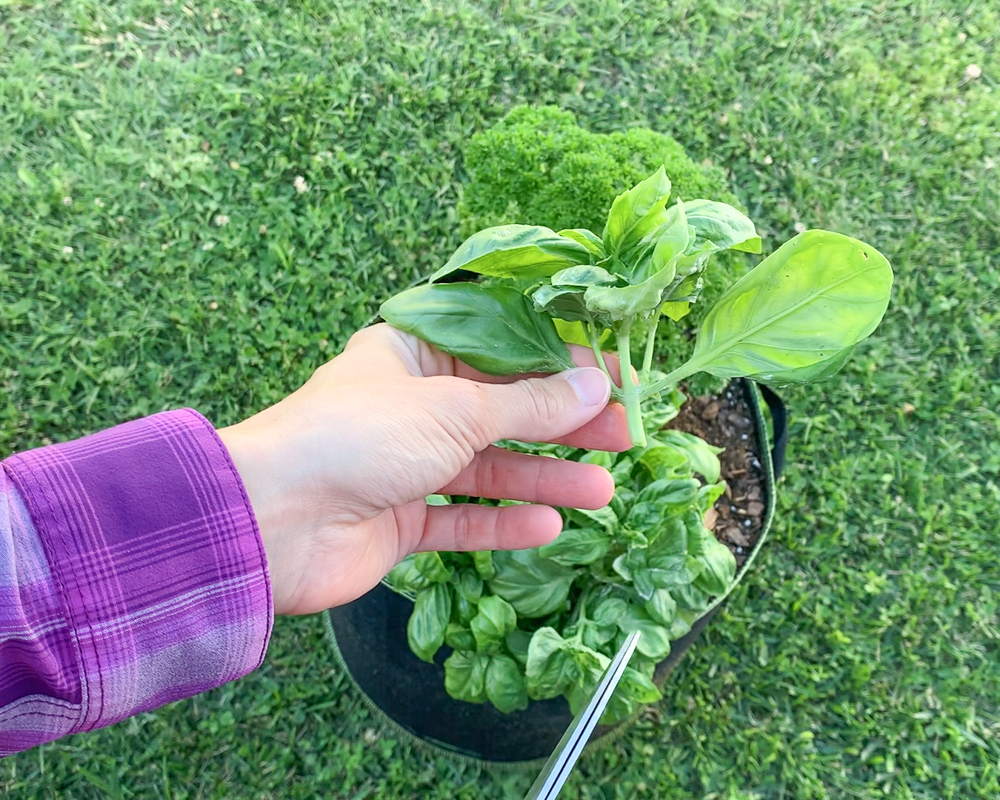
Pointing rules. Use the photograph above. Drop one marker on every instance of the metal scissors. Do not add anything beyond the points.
(557, 769)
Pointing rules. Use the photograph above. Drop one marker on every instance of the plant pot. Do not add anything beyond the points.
(369, 642)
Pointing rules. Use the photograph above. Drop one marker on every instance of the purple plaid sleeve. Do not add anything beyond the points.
(132, 574)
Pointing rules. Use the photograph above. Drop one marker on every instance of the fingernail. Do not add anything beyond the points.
(590, 384)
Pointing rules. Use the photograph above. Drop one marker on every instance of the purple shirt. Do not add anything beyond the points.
(132, 574)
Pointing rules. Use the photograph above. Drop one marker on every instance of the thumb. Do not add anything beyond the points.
(542, 409)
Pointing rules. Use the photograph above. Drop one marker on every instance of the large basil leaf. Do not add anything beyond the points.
(662, 460)
(690, 598)
(579, 694)
(533, 585)
(427, 624)
(654, 641)
(577, 546)
(722, 225)
(465, 676)
(495, 619)
(505, 684)
(636, 213)
(704, 458)
(492, 328)
(515, 251)
(804, 304)
(551, 668)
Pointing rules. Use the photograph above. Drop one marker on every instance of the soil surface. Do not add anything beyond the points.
(726, 420)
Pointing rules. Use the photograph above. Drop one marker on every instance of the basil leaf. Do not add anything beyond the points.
(583, 276)
(505, 684)
(654, 641)
(600, 457)
(804, 304)
(469, 585)
(690, 598)
(708, 494)
(636, 213)
(495, 619)
(405, 577)
(585, 517)
(704, 458)
(517, 643)
(563, 302)
(515, 251)
(533, 585)
(465, 676)
(577, 546)
(429, 620)
(633, 690)
(550, 669)
(817, 372)
(662, 460)
(609, 611)
(722, 225)
(642, 582)
(579, 694)
(492, 328)
(681, 626)
(458, 637)
(628, 302)
(661, 607)
(431, 567)
(588, 239)
(483, 560)
(663, 248)
(719, 566)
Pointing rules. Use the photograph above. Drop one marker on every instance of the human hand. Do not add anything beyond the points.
(337, 472)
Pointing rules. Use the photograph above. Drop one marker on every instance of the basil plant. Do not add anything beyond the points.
(795, 317)
(544, 622)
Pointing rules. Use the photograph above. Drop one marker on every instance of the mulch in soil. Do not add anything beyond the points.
(726, 420)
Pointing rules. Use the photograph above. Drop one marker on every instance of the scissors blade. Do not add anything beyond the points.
(557, 769)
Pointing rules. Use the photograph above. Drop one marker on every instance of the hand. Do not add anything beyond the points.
(337, 472)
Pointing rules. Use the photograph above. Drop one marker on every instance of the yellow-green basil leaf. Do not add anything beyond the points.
(405, 577)
(535, 586)
(703, 457)
(515, 251)
(429, 621)
(505, 684)
(722, 225)
(804, 304)
(636, 212)
(583, 276)
(588, 239)
(492, 328)
(662, 248)
(494, 620)
(465, 676)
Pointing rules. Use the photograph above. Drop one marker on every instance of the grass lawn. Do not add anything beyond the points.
(155, 253)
